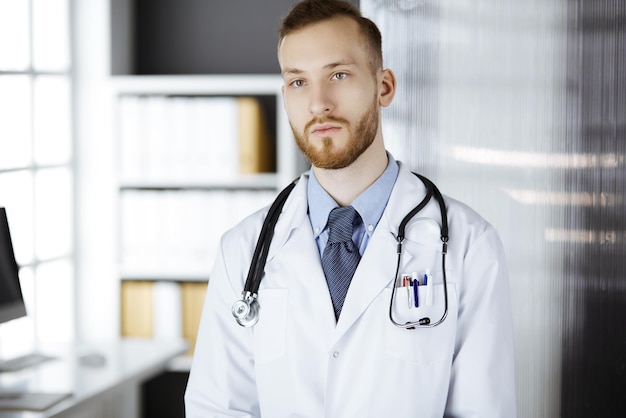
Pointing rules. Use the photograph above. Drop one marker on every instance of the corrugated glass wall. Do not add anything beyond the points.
(518, 108)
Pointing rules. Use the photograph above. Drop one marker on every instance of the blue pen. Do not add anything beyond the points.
(416, 292)
(429, 288)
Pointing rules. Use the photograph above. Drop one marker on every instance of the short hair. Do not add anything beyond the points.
(308, 12)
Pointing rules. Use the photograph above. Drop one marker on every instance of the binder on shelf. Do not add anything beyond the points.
(214, 153)
(256, 149)
(192, 301)
(193, 138)
(162, 309)
(177, 233)
(166, 310)
(130, 153)
(136, 306)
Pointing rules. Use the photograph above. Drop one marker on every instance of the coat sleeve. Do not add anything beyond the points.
(482, 383)
(222, 379)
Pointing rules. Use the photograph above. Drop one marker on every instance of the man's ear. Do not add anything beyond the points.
(387, 88)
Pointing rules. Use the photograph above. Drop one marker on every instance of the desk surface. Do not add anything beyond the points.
(125, 360)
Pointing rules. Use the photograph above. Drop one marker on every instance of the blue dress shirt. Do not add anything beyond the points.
(370, 205)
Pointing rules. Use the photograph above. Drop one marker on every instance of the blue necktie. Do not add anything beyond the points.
(340, 256)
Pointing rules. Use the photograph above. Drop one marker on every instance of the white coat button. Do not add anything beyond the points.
(336, 354)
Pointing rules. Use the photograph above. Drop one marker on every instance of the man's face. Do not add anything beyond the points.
(330, 92)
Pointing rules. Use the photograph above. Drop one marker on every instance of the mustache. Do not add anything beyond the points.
(325, 119)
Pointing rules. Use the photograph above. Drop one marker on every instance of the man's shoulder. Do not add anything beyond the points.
(249, 226)
(459, 208)
(468, 224)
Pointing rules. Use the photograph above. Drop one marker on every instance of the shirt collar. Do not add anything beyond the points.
(370, 204)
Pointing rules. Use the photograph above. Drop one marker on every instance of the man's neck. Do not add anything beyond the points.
(346, 184)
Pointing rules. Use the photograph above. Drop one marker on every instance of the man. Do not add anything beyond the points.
(324, 344)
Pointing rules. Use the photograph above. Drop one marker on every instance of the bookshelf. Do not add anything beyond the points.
(185, 175)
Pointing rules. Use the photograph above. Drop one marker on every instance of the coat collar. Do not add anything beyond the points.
(293, 216)
(407, 192)
(377, 266)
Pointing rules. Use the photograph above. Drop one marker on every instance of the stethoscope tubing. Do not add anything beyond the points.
(431, 190)
(255, 274)
(246, 310)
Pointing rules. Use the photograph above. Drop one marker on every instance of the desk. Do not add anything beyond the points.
(111, 390)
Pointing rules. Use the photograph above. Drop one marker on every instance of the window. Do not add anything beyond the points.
(36, 164)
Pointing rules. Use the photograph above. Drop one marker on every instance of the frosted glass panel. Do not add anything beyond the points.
(53, 213)
(51, 35)
(15, 121)
(52, 120)
(519, 110)
(14, 35)
(16, 195)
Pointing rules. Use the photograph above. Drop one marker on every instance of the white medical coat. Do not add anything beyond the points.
(297, 361)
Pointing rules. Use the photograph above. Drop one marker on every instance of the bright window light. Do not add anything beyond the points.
(54, 292)
(18, 335)
(36, 171)
(51, 35)
(53, 143)
(14, 35)
(16, 195)
(15, 126)
(53, 213)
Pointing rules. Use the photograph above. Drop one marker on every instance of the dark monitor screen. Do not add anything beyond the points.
(11, 300)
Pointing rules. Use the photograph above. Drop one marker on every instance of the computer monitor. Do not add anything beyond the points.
(11, 300)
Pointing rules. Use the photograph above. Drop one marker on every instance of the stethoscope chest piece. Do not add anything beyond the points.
(246, 311)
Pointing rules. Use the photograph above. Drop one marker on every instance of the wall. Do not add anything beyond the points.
(197, 36)
(95, 185)
(518, 109)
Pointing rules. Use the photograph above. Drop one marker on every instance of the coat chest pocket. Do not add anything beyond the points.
(422, 344)
(270, 332)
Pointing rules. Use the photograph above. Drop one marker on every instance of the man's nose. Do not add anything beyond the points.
(321, 101)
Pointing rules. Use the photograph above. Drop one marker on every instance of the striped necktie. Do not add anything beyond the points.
(341, 256)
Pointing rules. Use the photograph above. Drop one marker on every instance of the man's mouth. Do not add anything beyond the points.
(325, 129)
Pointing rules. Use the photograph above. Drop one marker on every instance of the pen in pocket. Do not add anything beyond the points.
(428, 281)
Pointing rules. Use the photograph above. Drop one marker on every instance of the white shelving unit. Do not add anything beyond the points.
(170, 225)
(289, 163)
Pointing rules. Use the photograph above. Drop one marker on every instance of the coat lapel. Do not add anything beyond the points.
(294, 254)
(374, 273)
(293, 238)
(378, 264)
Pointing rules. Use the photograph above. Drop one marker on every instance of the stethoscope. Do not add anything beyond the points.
(246, 309)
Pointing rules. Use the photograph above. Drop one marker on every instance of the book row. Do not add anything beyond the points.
(182, 138)
(161, 309)
(178, 232)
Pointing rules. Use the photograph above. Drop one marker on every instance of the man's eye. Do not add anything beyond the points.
(340, 76)
(297, 83)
